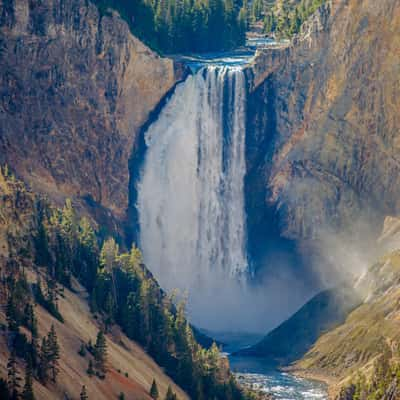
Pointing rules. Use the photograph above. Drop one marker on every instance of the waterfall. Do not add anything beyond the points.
(191, 191)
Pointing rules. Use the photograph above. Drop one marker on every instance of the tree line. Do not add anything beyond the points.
(121, 291)
(184, 26)
(285, 21)
(124, 292)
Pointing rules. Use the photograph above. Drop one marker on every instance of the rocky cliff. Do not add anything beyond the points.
(75, 88)
(324, 113)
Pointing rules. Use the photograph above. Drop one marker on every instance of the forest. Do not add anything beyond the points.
(63, 247)
(184, 26)
(286, 20)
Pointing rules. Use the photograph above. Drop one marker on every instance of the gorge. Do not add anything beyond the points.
(249, 180)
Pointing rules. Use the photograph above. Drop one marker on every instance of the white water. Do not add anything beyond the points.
(258, 374)
(190, 197)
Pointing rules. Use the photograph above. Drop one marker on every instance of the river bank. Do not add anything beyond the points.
(330, 382)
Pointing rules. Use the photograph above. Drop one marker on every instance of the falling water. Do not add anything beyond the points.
(190, 196)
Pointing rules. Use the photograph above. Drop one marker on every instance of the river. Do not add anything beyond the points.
(259, 374)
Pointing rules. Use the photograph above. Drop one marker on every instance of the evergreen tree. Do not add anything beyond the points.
(82, 350)
(121, 396)
(87, 257)
(154, 390)
(180, 26)
(44, 361)
(13, 377)
(170, 394)
(30, 317)
(84, 395)
(53, 352)
(100, 353)
(90, 370)
(27, 393)
(33, 356)
(11, 313)
(41, 240)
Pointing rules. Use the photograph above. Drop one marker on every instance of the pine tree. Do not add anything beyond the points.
(41, 240)
(13, 377)
(31, 320)
(11, 313)
(170, 394)
(154, 390)
(90, 370)
(27, 393)
(88, 254)
(33, 357)
(121, 396)
(82, 350)
(108, 262)
(53, 352)
(84, 395)
(100, 353)
(44, 363)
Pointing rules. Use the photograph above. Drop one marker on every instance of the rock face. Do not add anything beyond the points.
(325, 114)
(75, 87)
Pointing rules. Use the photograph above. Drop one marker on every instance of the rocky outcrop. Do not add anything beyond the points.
(75, 88)
(324, 124)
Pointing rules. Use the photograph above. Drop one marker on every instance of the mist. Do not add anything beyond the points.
(193, 222)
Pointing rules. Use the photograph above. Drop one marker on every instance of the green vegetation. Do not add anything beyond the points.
(170, 394)
(27, 393)
(285, 19)
(100, 354)
(48, 358)
(154, 390)
(90, 370)
(13, 376)
(182, 26)
(383, 384)
(121, 291)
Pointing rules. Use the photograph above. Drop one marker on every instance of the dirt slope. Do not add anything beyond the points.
(123, 355)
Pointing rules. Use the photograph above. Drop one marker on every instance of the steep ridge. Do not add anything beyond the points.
(75, 87)
(324, 124)
(53, 273)
(131, 369)
(368, 338)
(293, 338)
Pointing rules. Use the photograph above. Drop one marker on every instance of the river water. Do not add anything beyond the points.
(258, 374)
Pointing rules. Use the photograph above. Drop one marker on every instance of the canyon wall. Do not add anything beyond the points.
(322, 129)
(325, 113)
(75, 88)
